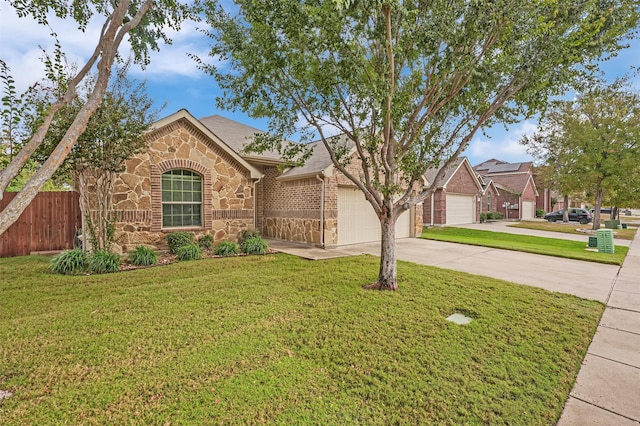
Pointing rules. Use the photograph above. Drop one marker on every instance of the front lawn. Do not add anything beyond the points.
(570, 228)
(280, 340)
(525, 243)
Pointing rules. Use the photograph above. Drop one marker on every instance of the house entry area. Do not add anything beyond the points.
(358, 223)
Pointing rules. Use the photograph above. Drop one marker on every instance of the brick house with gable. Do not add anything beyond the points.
(518, 194)
(194, 176)
(457, 200)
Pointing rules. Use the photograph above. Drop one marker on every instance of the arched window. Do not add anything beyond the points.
(181, 199)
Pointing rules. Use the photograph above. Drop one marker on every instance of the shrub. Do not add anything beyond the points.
(69, 262)
(254, 245)
(189, 252)
(245, 235)
(494, 215)
(179, 239)
(143, 256)
(206, 242)
(483, 217)
(226, 248)
(103, 261)
(540, 212)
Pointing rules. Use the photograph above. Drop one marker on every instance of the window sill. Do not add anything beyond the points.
(181, 229)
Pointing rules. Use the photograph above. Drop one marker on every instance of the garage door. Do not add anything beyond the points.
(528, 210)
(358, 223)
(460, 209)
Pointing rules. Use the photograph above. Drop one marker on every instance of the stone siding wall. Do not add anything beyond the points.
(227, 188)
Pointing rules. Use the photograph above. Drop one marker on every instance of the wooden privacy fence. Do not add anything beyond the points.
(48, 224)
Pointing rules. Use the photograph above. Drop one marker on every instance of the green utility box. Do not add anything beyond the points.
(611, 224)
(605, 241)
(593, 241)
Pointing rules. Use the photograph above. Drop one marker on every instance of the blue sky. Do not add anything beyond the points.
(174, 78)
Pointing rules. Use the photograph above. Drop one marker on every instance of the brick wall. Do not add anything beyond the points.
(290, 209)
(462, 183)
(439, 208)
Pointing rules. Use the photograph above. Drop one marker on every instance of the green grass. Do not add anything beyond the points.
(623, 234)
(279, 340)
(525, 243)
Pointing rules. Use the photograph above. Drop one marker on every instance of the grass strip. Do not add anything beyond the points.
(623, 234)
(279, 340)
(524, 243)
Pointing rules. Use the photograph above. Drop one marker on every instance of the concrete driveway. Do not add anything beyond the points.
(588, 280)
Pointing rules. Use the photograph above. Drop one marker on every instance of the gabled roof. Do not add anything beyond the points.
(493, 166)
(514, 183)
(430, 174)
(183, 114)
(237, 136)
(487, 184)
(320, 160)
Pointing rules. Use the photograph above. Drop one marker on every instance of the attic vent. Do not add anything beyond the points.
(459, 319)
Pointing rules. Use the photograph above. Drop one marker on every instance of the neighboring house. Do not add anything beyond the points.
(457, 200)
(517, 188)
(489, 195)
(195, 177)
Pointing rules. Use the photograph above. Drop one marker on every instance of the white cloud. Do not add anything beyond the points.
(503, 147)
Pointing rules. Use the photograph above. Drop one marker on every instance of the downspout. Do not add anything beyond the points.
(321, 210)
(520, 207)
(433, 196)
(255, 203)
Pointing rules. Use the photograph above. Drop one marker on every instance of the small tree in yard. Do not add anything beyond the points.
(550, 147)
(143, 21)
(407, 83)
(592, 144)
(114, 133)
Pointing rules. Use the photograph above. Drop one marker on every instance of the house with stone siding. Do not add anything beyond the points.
(195, 176)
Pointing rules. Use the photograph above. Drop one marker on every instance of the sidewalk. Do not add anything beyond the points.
(607, 390)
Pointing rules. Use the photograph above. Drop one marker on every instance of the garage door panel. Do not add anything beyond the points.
(460, 209)
(357, 221)
(528, 209)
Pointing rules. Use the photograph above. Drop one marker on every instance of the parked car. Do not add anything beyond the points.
(575, 215)
(603, 210)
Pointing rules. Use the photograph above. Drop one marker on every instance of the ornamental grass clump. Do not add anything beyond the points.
(175, 240)
(226, 248)
(254, 245)
(189, 252)
(69, 262)
(103, 261)
(245, 235)
(206, 242)
(143, 256)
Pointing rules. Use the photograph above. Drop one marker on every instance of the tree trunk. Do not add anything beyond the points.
(565, 211)
(387, 276)
(596, 211)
